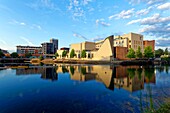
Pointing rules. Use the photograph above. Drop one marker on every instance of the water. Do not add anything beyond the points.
(84, 89)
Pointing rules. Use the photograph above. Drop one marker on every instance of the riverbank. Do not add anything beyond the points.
(83, 61)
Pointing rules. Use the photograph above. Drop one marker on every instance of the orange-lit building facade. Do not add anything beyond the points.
(149, 43)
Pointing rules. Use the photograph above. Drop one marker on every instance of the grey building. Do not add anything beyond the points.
(50, 47)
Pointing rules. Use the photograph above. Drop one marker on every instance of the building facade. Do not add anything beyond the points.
(149, 43)
(29, 49)
(130, 40)
(55, 44)
(50, 47)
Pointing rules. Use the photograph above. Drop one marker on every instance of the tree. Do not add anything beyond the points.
(166, 51)
(83, 54)
(72, 53)
(159, 52)
(56, 54)
(41, 57)
(131, 53)
(1, 54)
(148, 53)
(138, 52)
(28, 55)
(64, 53)
(14, 55)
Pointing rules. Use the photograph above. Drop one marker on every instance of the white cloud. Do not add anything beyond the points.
(164, 6)
(144, 11)
(123, 14)
(102, 22)
(22, 23)
(3, 42)
(79, 9)
(155, 19)
(27, 41)
(14, 22)
(133, 21)
(36, 26)
(79, 36)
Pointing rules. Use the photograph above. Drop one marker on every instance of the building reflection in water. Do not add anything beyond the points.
(46, 72)
(131, 78)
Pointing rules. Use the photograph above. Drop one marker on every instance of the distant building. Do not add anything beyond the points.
(50, 47)
(47, 48)
(130, 40)
(4, 51)
(55, 43)
(29, 49)
(149, 43)
(61, 51)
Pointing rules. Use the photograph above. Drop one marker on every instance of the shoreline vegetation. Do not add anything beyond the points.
(84, 61)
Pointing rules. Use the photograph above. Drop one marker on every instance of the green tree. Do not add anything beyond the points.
(72, 70)
(56, 54)
(28, 55)
(83, 70)
(138, 52)
(148, 53)
(64, 53)
(159, 52)
(1, 54)
(14, 55)
(131, 72)
(131, 53)
(83, 54)
(166, 51)
(41, 57)
(72, 53)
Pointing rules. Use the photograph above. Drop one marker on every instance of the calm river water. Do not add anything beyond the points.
(84, 89)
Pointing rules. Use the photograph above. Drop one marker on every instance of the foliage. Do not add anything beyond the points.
(14, 55)
(72, 53)
(72, 70)
(148, 53)
(131, 53)
(64, 69)
(41, 57)
(83, 70)
(164, 108)
(131, 72)
(138, 52)
(83, 54)
(56, 54)
(139, 72)
(28, 55)
(64, 53)
(1, 54)
(149, 72)
(166, 51)
(159, 52)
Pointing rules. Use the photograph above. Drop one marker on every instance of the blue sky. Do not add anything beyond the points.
(31, 22)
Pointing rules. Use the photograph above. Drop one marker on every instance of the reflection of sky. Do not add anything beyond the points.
(33, 94)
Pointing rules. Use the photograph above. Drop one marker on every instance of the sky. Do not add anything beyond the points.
(32, 22)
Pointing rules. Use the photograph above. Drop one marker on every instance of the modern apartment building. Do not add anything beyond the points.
(29, 49)
(55, 43)
(130, 40)
(50, 47)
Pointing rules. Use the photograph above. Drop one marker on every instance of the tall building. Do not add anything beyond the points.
(29, 49)
(55, 43)
(50, 47)
(130, 40)
(47, 48)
